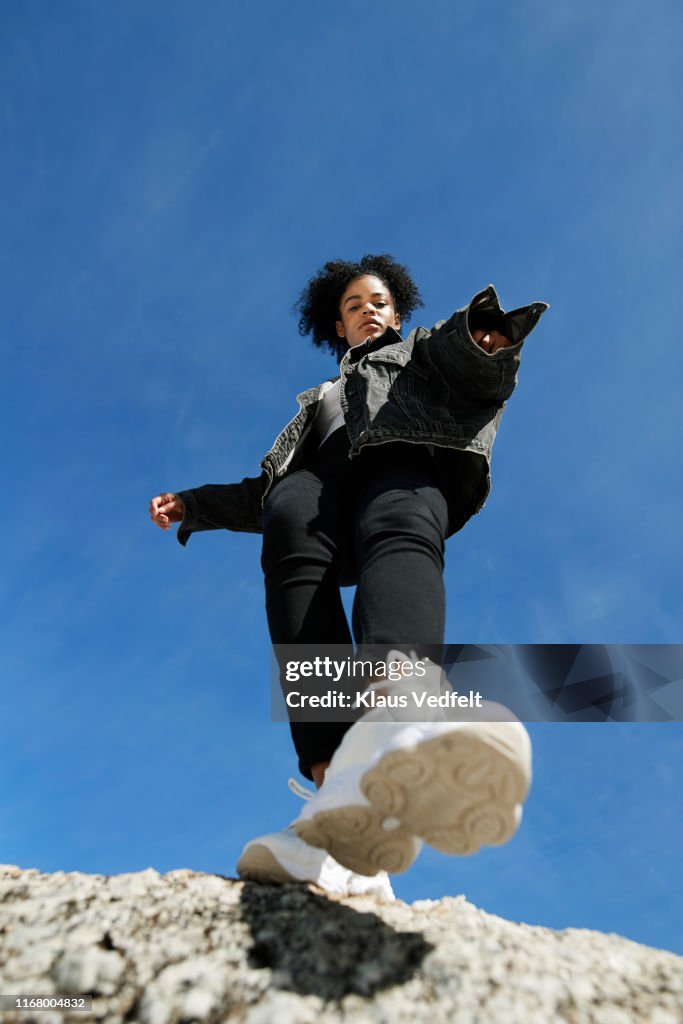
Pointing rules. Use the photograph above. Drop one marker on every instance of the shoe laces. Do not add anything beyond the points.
(301, 791)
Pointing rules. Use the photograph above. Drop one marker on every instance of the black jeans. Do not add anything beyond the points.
(378, 520)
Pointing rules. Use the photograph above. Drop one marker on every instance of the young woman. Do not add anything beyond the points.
(379, 466)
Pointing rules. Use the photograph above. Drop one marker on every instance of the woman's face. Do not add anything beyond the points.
(366, 309)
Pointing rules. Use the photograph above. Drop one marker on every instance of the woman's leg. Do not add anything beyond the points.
(305, 542)
(395, 785)
(302, 539)
(401, 523)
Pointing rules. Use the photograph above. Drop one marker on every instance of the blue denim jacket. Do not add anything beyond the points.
(435, 387)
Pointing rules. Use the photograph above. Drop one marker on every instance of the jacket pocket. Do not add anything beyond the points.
(383, 367)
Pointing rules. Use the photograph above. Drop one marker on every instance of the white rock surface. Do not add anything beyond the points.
(187, 947)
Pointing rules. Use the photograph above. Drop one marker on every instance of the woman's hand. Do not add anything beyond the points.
(490, 341)
(166, 509)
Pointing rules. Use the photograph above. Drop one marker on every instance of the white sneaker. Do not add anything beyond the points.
(283, 857)
(458, 785)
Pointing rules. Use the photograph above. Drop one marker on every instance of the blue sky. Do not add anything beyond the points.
(170, 177)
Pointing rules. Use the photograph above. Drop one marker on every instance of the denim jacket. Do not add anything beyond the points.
(437, 387)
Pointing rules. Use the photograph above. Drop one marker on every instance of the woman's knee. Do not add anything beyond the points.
(284, 520)
(299, 519)
(420, 512)
(283, 509)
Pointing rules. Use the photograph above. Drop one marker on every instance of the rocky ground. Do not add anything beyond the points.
(186, 947)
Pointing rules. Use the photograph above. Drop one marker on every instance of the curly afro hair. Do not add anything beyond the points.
(318, 303)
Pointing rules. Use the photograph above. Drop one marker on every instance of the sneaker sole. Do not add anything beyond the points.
(358, 838)
(458, 792)
(257, 864)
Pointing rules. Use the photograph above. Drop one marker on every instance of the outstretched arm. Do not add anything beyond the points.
(211, 507)
(477, 350)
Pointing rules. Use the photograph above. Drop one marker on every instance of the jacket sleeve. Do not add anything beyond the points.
(223, 507)
(470, 372)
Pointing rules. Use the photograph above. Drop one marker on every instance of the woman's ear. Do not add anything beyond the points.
(340, 329)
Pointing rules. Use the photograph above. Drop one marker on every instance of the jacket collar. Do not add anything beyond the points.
(389, 337)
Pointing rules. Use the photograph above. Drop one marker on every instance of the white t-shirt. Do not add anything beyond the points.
(331, 416)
